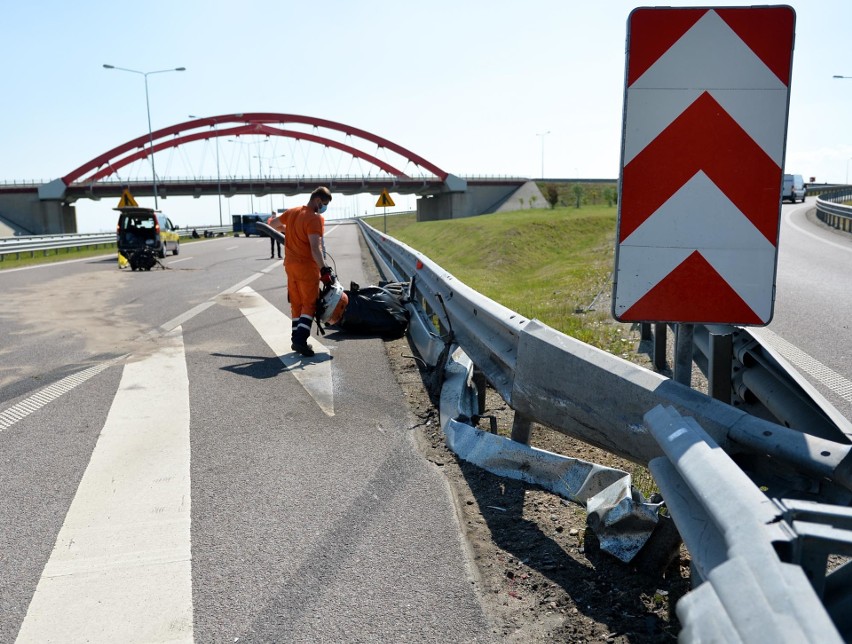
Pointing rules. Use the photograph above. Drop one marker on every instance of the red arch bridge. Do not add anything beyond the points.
(49, 208)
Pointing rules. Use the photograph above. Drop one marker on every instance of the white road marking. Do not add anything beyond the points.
(178, 261)
(789, 218)
(314, 374)
(42, 397)
(829, 378)
(120, 570)
(232, 247)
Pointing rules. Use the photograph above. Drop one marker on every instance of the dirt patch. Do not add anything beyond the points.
(71, 308)
(543, 577)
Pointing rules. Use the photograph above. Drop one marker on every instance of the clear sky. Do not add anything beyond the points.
(471, 86)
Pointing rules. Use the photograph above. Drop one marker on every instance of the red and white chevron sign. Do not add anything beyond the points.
(705, 123)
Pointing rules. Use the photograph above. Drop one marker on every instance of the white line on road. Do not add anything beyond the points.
(12, 415)
(120, 570)
(805, 231)
(798, 358)
(178, 261)
(314, 374)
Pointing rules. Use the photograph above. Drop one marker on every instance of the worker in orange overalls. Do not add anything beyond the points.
(304, 263)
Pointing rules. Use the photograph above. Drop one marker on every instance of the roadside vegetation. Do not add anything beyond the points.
(551, 264)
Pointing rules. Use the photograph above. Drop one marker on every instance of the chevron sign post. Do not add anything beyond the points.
(705, 123)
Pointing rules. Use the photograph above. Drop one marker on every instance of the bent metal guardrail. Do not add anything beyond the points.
(832, 209)
(31, 244)
(751, 463)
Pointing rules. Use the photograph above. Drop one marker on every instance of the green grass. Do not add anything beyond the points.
(64, 254)
(55, 255)
(542, 263)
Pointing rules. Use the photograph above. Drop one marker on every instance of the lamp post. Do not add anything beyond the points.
(847, 170)
(218, 174)
(542, 135)
(148, 108)
(251, 196)
(260, 159)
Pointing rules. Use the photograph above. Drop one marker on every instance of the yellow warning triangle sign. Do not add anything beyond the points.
(384, 200)
(127, 200)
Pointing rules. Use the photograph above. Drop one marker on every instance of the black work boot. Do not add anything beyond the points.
(301, 333)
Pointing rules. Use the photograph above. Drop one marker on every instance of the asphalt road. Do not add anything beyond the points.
(172, 472)
(813, 303)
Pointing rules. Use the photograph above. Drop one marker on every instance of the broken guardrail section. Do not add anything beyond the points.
(789, 490)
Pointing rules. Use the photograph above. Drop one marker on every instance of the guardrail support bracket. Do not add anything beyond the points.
(521, 428)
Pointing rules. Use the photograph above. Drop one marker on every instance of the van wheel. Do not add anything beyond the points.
(162, 252)
(177, 249)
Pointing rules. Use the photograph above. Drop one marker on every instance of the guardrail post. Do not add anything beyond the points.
(720, 365)
(660, 346)
(480, 384)
(683, 354)
(645, 331)
(521, 428)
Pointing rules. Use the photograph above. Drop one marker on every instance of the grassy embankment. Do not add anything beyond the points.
(553, 265)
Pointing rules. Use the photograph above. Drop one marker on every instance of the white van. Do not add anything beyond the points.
(794, 188)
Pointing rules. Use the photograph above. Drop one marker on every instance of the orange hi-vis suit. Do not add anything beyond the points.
(302, 270)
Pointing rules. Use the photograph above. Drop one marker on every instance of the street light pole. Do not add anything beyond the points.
(542, 135)
(218, 174)
(251, 195)
(260, 160)
(148, 108)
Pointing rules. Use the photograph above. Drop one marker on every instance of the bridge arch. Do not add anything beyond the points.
(253, 123)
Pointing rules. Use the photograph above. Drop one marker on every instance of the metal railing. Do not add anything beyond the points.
(832, 209)
(32, 244)
(738, 472)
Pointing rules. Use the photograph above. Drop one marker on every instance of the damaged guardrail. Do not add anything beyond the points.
(564, 384)
(745, 592)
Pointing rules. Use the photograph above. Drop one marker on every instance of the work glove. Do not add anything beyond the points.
(327, 276)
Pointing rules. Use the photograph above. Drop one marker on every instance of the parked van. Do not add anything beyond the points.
(140, 228)
(794, 188)
(246, 224)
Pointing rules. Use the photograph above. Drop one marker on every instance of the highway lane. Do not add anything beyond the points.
(813, 303)
(168, 476)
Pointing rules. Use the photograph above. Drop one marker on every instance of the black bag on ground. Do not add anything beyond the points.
(376, 310)
(142, 260)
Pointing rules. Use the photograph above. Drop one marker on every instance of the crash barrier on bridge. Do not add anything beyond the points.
(29, 245)
(832, 209)
(566, 385)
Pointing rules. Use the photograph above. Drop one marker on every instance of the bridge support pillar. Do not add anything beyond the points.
(479, 200)
(26, 214)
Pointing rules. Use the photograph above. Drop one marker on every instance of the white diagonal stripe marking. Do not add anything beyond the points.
(314, 374)
(121, 567)
(709, 57)
(728, 241)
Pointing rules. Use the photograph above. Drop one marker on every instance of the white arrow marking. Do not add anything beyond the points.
(121, 567)
(728, 241)
(709, 57)
(274, 327)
